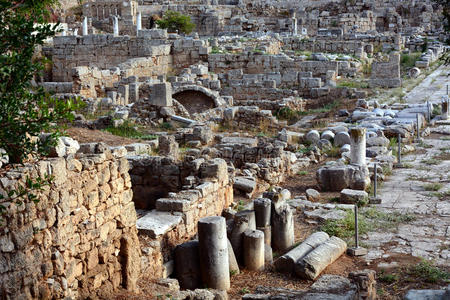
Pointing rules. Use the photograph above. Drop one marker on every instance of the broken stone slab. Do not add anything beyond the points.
(376, 150)
(244, 185)
(312, 195)
(317, 260)
(156, 223)
(331, 284)
(251, 142)
(323, 215)
(290, 137)
(286, 263)
(171, 205)
(380, 141)
(161, 94)
(338, 177)
(365, 281)
(425, 295)
(349, 196)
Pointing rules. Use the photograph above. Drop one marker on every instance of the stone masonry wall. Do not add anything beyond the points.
(80, 238)
(386, 74)
(103, 52)
(174, 221)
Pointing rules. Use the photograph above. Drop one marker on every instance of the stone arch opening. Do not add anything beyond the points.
(194, 101)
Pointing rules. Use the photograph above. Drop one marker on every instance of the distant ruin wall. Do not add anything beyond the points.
(386, 74)
(104, 52)
(79, 239)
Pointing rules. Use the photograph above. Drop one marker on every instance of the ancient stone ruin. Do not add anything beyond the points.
(228, 162)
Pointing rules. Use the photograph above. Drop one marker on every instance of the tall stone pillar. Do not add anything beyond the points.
(85, 26)
(294, 27)
(139, 21)
(116, 26)
(213, 248)
(358, 146)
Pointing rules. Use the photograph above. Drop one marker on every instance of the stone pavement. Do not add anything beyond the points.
(428, 235)
(432, 88)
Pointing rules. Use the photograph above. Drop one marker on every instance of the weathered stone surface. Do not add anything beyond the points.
(337, 178)
(312, 195)
(317, 260)
(313, 136)
(286, 262)
(157, 223)
(244, 185)
(341, 138)
(425, 294)
(354, 197)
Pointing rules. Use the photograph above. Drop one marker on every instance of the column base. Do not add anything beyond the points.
(374, 200)
(360, 251)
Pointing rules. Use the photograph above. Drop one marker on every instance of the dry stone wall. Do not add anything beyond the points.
(174, 221)
(80, 236)
(104, 52)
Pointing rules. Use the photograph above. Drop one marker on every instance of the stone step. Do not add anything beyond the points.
(156, 223)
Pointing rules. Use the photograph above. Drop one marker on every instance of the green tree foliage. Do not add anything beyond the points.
(25, 109)
(174, 21)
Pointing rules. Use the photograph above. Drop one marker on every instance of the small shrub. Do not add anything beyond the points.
(333, 152)
(432, 187)
(129, 130)
(166, 126)
(345, 228)
(428, 272)
(409, 60)
(174, 21)
(353, 84)
(431, 161)
(388, 278)
(302, 173)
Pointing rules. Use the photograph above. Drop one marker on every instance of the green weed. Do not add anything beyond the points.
(129, 130)
(433, 187)
(428, 272)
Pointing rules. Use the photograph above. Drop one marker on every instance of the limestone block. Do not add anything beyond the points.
(161, 94)
(337, 178)
(349, 196)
